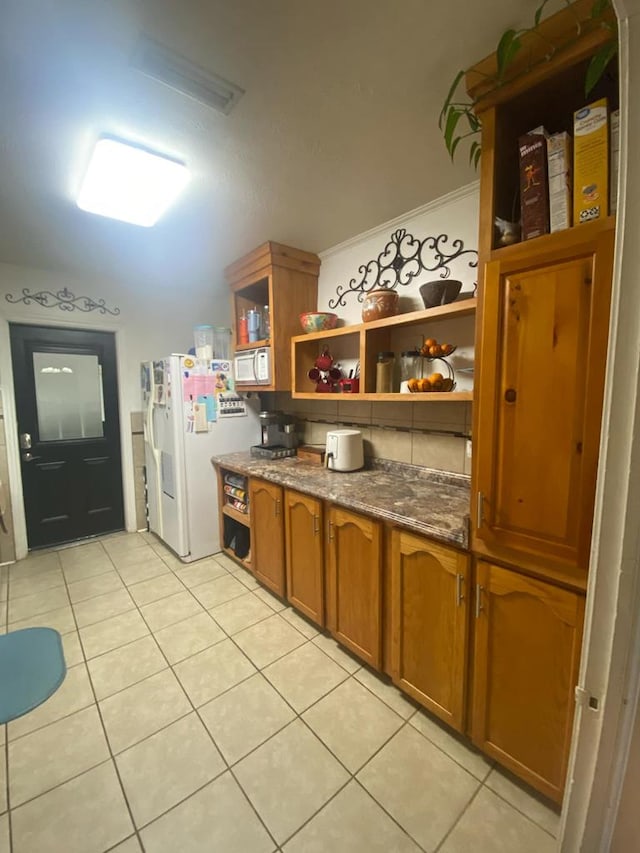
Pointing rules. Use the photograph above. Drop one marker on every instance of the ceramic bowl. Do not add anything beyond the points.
(318, 321)
(378, 304)
(439, 292)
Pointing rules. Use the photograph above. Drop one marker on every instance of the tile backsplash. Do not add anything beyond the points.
(433, 435)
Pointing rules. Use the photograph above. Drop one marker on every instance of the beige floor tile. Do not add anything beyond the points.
(72, 649)
(83, 570)
(195, 574)
(241, 612)
(515, 793)
(353, 723)
(272, 600)
(131, 845)
(36, 583)
(218, 591)
(112, 633)
(306, 628)
(3, 783)
(212, 671)
(216, 818)
(61, 620)
(73, 694)
(269, 640)
(389, 694)
(351, 823)
(152, 567)
(419, 786)
(170, 610)
(168, 766)
(51, 755)
(245, 577)
(34, 564)
(103, 607)
(122, 547)
(154, 589)
(91, 587)
(168, 557)
(337, 653)
(81, 554)
(455, 747)
(4, 834)
(125, 666)
(229, 564)
(490, 825)
(143, 709)
(88, 814)
(188, 637)
(245, 716)
(133, 557)
(304, 676)
(293, 767)
(28, 606)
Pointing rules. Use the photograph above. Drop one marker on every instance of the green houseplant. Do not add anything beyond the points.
(458, 120)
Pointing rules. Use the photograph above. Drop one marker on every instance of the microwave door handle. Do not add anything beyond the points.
(255, 366)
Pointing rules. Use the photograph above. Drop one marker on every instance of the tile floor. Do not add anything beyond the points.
(199, 713)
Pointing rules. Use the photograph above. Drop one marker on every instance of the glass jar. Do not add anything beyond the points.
(410, 365)
(221, 342)
(203, 340)
(385, 367)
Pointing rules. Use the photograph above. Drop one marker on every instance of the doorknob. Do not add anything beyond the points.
(29, 457)
(25, 440)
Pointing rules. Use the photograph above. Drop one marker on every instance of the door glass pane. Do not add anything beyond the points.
(68, 396)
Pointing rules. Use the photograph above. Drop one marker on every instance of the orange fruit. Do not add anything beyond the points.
(413, 385)
(430, 342)
(424, 385)
(445, 349)
(435, 377)
(434, 351)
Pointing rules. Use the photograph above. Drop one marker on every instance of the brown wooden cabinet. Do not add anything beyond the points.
(429, 623)
(305, 554)
(527, 651)
(354, 583)
(284, 279)
(267, 534)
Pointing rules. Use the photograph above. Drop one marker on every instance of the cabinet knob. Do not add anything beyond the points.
(510, 395)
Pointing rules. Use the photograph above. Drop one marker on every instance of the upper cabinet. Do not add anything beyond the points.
(285, 281)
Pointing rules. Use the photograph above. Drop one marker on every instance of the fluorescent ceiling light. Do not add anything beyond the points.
(129, 183)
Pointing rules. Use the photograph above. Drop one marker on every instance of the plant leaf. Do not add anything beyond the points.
(508, 46)
(472, 150)
(453, 118)
(477, 157)
(539, 10)
(452, 89)
(598, 64)
(599, 7)
(474, 121)
(454, 146)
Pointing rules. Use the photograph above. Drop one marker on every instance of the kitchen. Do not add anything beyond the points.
(408, 445)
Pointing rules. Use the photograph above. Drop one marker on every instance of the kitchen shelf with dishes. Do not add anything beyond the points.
(361, 343)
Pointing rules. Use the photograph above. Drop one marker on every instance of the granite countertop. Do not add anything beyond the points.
(433, 503)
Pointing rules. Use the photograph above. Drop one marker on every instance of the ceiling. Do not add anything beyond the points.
(336, 132)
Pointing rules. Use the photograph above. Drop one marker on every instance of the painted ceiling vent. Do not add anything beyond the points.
(160, 63)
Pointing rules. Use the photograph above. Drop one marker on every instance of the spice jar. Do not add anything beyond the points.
(384, 372)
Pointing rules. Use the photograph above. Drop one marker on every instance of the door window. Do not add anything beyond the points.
(69, 396)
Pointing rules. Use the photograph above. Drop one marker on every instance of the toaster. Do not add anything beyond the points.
(344, 450)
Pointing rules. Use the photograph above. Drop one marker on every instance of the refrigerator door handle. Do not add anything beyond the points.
(156, 456)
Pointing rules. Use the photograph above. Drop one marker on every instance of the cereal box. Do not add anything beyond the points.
(614, 119)
(534, 189)
(559, 168)
(590, 162)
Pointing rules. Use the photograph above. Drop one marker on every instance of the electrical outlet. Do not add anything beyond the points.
(468, 448)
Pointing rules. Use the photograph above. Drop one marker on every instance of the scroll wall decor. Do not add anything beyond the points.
(402, 259)
(63, 299)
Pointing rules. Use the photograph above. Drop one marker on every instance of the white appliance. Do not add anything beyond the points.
(344, 451)
(191, 413)
(253, 366)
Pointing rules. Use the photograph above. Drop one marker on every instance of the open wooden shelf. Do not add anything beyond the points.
(431, 396)
(232, 512)
(252, 345)
(558, 241)
(230, 553)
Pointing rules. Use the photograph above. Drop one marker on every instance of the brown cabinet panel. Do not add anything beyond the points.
(527, 650)
(354, 583)
(540, 389)
(305, 554)
(267, 534)
(429, 597)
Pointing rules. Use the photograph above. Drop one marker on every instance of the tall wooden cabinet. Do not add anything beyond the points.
(267, 534)
(305, 554)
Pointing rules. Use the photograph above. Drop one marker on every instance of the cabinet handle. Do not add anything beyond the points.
(459, 595)
(277, 507)
(479, 607)
(480, 510)
(331, 531)
(316, 525)
(510, 395)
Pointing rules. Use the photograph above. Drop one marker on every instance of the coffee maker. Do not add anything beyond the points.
(278, 436)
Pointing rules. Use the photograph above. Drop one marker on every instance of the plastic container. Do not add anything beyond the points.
(221, 342)
(243, 329)
(385, 367)
(410, 365)
(203, 341)
(253, 324)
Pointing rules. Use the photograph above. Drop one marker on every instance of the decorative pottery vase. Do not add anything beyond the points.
(378, 304)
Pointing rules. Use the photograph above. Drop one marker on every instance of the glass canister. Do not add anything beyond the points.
(385, 367)
(254, 318)
(410, 365)
(221, 342)
(203, 342)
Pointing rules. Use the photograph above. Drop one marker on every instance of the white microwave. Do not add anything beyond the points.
(253, 366)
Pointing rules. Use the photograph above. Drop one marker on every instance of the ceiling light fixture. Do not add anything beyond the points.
(130, 183)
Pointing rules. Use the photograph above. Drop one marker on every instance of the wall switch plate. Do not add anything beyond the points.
(468, 448)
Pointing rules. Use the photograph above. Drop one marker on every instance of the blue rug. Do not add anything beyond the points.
(32, 667)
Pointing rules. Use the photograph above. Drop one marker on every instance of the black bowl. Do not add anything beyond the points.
(439, 292)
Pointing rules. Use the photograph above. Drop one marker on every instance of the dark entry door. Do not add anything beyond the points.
(67, 404)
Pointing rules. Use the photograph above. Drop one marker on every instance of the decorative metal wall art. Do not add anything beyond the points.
(63, 299)
(402, 259)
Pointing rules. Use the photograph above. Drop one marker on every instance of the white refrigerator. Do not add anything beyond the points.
(191, 412)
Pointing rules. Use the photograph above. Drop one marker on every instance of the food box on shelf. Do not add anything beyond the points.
(590, 162)
(534, 188)
(559, 169)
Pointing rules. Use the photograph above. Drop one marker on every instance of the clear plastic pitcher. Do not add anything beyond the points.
(221, 342)
(203, 341)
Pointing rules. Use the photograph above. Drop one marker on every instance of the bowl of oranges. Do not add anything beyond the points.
(434, 382)
(432, 349)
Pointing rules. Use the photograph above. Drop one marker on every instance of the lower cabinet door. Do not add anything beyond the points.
(354, 583)
(527, 650)
(267, 534)
(429, 623)
(305, 572)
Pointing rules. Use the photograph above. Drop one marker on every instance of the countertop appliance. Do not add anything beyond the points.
(278, 436)
(191, 412)
(253, 366)
(344, 450)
